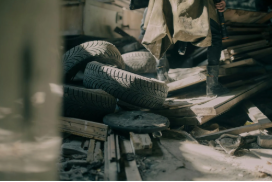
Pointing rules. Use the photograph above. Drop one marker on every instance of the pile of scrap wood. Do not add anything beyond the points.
(114, 114)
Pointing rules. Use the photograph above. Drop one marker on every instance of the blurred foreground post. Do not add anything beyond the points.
(30, 71)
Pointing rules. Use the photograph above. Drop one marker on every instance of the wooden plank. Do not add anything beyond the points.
(87, 135)
(244, 62)
(254, 113)
(225, 56)
(265, 18)
(248, 44)
(118, 153)
(248, 81)
(253, 54)
(141, 143)
(84, 122)
(242, 37)
(112, 148)
(201, 77)
(186, 115)
(98, 154)
(113, 164)
(106, 162)
(186, 82)
(131, 169)
(86, 144)
(84, 128)
(181, 73)
(90, 154)
(246, 30)
(225, 102)
(241, 70)
(233, 24)
(247, 47)
(243, 16)
(235, 131)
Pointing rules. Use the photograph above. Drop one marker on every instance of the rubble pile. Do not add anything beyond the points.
(124, 124)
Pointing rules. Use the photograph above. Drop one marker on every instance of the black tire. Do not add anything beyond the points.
(136, 121)
(89, 104)
(128, 87)
(77, 58)
(140, 62)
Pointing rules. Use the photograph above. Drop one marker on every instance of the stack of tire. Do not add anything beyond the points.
(108, 77)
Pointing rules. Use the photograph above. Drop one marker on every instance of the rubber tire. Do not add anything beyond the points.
(77, 58)
(139, 62)
(89, 104)
(126, 86)
(136, 121)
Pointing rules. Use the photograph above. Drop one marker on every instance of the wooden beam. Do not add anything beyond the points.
(265, 18)
(244, 62)
(247, 81)
(141, 143)
(243, 16)
(131, 169)
(235, 131)
(242, 37)
(186, 116)
(247, 47)
(112, 149)
(84, 128)
(254, 113)
(241, 70)
(186, 82)
(111, 167)
(201, 76)
(247, 29)
(253, 54)
(90, 153)
(225, 102)
(235, 24)
(248, 44)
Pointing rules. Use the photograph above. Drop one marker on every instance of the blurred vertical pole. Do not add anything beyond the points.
(30, 70)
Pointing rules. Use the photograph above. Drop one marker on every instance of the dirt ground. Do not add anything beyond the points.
(175, 159)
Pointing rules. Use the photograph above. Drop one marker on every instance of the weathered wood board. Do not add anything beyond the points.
(249, 61)
(199, 77)
(84, 128)
(243, 16)
(141, 143)
(235, 131)
(131, 169)
(254, 113)
(224, 102)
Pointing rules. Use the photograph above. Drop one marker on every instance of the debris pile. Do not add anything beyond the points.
(126, 124)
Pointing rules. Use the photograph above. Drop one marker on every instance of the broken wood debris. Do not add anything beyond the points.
(141, 143)
(254, 113)
(112, 167)
(235, 131)
(188, 108)
(131, 169)
(224, 102)
(84, 128)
